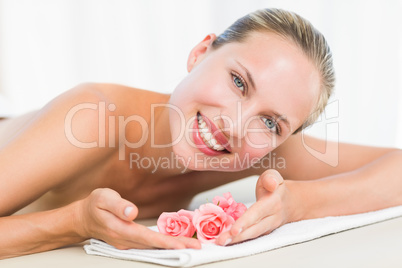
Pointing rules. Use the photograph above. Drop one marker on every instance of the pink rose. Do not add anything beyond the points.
(230, 206)
(210, 221)
(176, 223)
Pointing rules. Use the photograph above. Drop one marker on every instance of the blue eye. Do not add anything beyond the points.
(270, 124)
(239, 82)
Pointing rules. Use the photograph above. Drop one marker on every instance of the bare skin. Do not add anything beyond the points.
(110, 172)
(75, 193)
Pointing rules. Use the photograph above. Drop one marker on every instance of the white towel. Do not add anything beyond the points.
(288, 234)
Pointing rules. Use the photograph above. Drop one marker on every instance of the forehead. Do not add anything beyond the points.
(286, 80)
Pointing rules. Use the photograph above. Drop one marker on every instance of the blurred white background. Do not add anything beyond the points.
(49, 46)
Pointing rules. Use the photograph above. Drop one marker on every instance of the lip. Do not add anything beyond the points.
(200, 143)
(215, 132)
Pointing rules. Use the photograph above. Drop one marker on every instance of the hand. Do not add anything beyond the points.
(105, 215)
(268, 213)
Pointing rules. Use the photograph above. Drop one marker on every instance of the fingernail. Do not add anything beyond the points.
(127, 211)
(228, 241)
(241, 229)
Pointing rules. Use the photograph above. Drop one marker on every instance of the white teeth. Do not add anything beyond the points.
(207, 137)
(218, 147)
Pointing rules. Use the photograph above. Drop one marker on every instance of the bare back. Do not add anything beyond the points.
(151, 193)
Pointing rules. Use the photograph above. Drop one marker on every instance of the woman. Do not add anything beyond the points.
(90, 162)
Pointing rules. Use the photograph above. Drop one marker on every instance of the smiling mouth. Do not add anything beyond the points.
(208, 137)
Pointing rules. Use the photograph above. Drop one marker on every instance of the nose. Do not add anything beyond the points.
(236, 117)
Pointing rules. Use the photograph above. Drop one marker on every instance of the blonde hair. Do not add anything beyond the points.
(302, 33)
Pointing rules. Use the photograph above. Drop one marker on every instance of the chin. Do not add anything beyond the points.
(183, 156)
(197, 161)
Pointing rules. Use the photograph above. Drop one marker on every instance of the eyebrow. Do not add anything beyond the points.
(249, 77)
(278, 116)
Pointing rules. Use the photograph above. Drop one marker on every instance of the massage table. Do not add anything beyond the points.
(375, 245)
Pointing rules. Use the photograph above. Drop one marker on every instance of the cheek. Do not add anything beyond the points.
(252, 154)
(182, 94)
(203, 88)
(258, 138)
(261, 141)
(256, 144)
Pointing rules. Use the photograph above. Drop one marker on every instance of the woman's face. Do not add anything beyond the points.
(240, 101)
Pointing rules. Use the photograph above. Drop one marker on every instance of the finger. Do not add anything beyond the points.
(265, 226)
(111, 201)
(190, 242)
(132, 235)
(262, 227)
(271, 179)
(252, 216)
(145, 236)
(128, 244)
(224, 239)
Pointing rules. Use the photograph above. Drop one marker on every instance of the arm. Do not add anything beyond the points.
(103, 215)
(365, 179)
(309, 158)
(34, 161)
(374, 186)
(40, 159)
(36, 232)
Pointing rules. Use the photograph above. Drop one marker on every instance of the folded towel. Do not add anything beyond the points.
(288, 234)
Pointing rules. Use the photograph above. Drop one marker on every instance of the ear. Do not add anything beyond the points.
(198, 53)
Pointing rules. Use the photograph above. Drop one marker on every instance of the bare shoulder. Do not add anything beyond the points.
(12, 126)
(42, 151)
(120, 94)
(63, 142)
(84, 103)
